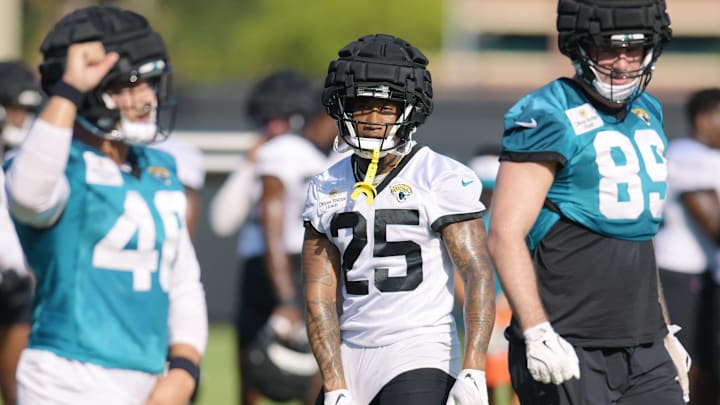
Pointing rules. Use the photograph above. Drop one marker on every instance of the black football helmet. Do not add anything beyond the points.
(18, 90)
(584, 25)
(142, 57)
(282, 371)
(380, 66)
(284, 94)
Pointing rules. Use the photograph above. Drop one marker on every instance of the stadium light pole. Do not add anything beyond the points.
(10, 29)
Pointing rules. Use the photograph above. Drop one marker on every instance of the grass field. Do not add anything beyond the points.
(219, 384)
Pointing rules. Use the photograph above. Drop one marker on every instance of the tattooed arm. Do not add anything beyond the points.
(321, 266)
(465, 242)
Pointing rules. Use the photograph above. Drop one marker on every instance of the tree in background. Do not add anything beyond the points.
(220, 40)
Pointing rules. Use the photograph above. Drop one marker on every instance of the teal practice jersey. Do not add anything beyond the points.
(103, 269)
(612, 174)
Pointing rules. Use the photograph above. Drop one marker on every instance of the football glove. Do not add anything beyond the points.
(469, 389)
(680, 358)
(550, 358)
(339, 397)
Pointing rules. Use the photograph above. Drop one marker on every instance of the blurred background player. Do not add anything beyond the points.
(191, 172)
(578, 199)
(20, 100)
(101, 221)
(687, 244)
(390, 224)
(295, 145)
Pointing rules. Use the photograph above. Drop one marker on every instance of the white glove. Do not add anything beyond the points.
(339, 397)
(550, 358)
(469, 389)
(680, 358)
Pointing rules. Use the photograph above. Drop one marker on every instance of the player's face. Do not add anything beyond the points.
(135, 101)
(373, 116)
(15, 116)
(623, 62)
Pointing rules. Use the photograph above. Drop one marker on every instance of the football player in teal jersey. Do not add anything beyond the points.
(101, 220)
(579, 196)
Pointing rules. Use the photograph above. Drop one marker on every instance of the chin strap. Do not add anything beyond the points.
(366, 186)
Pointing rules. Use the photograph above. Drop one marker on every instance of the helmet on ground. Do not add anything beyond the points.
(584, 25)
(385, 67)
(281, 371)
(284, 94)
(142, 57)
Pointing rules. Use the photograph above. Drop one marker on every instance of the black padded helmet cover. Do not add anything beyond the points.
(581, 21)
(142, 54)
(380, 60)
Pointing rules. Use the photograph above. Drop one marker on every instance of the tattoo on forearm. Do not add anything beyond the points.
(324, 334)
(466, 245)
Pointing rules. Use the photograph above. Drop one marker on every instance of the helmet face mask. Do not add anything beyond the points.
(143, 57)
(602, 75)
(380, 67)
(397, 133)
(587, 28)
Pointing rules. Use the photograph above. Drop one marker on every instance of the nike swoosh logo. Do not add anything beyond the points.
(339, 398)
(466, 183)
(527, 124)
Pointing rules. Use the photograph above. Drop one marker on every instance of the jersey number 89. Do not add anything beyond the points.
(621, 190)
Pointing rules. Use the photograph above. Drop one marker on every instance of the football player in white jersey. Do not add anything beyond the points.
(687, 244)
(578, 199)
(20, 99)
(101, 221)
(391, 224)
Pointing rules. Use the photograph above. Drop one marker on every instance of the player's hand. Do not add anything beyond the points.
(285, 322)
(550, 358)
(680, 358)
(339, 397)
(469, 389)
(87, 64)
(175, 388)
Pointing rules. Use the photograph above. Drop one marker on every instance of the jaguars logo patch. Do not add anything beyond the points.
(160, 173)
(401, 191)
(642, 114)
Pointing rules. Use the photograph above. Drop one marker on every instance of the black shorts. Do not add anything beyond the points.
(16, 295)
(639, 375)
(424, 386)
(257, 299)
(683, 295)
(708, 329)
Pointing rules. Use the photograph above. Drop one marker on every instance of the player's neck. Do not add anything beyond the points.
(385, 165)
(115, 150)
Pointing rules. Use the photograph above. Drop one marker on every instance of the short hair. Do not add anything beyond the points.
(701, 102)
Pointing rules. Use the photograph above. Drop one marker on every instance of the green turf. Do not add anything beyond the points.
(219, 384)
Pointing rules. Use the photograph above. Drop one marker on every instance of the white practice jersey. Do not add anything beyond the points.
(294, 161)
(397, 275)
(11, 253)
(680, 245)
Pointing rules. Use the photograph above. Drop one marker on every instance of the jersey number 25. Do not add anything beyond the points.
(381, 248)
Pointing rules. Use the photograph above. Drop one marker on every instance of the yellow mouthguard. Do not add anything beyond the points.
(366, 186)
